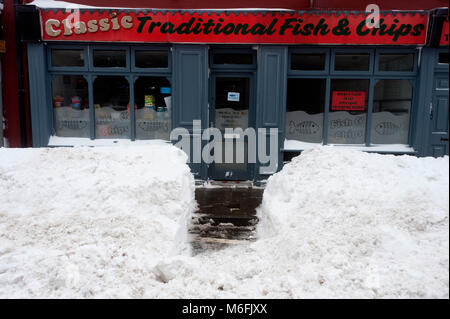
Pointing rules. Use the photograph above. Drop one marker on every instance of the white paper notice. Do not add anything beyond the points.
(233, 96)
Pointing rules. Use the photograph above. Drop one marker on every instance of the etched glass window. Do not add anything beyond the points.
(111, 103)
(70, 106)
(304, 109)
(153, 99)
(391, 112)
(348, 111)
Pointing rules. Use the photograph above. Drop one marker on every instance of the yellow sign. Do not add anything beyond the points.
(2, 46)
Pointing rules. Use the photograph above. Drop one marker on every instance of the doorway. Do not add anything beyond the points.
(232, 102)
(439, 116)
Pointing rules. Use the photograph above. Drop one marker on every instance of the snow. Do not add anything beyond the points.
(293, 145)
(336, 224)
(111, 222)
(83, 141)
(55, 4)
(361, 225)
(52, 4)
(90, 222)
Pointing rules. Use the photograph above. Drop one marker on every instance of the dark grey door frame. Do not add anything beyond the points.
(213, 172)
(439, 116)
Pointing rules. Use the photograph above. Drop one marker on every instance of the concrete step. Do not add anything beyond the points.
(221, 232)
(225, 201)
(236, 220)
(225, 216)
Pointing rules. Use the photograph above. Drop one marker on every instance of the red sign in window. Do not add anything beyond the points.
(348, 101)
(444, 35)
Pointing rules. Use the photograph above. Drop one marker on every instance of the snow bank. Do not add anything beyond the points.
(103, 222)
(352, 224)
(90, 222)
(335, 224)
(47, 4)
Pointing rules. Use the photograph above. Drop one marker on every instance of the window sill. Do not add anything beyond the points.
(83, 141)
(297, 146)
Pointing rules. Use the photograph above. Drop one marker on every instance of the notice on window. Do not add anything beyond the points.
(164, 90)
(348, 101)
(229, 118)
(233, 96)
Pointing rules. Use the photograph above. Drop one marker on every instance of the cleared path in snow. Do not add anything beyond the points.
(225, 215)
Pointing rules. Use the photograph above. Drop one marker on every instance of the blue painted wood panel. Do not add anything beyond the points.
(190, 92)
(190, 85)
(41, 111)
(271, 96)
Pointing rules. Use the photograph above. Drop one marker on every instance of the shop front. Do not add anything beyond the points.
(271, 83)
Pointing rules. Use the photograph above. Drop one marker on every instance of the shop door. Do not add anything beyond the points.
(231, 106)
(439, 116)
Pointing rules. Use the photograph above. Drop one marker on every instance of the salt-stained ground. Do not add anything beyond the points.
(111, 222)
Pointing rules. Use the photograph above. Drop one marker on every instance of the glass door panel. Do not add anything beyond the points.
(231, 101)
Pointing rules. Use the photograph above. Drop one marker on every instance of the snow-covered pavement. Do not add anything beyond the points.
(111, 222)
(90, 222)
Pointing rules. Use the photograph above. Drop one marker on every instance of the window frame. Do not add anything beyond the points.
(326, 69)
(90, 74)
(127, 76)
(232, 67)
(133, 79)
(109, 48)
(441, 66)
(412, 114)
(136, 69)
(336, 51)
(50, 78)
(326, 104)
(372, 75)
(368, 109)
(395, 51)
(84, 48)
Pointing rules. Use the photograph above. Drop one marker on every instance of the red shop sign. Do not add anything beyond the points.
(239, 27)
(444, 34)
(348, 101)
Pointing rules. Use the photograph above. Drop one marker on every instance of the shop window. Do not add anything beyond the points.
(396, 62)
(391, 112)
(70, 106)
(443, 57)
(348, 110)
(67, 58)
(151, 59)
(233, 58)
(352, 62)
(110, 58)
(111, 103)
(308, 62)
(153, 108)
(304, 109)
